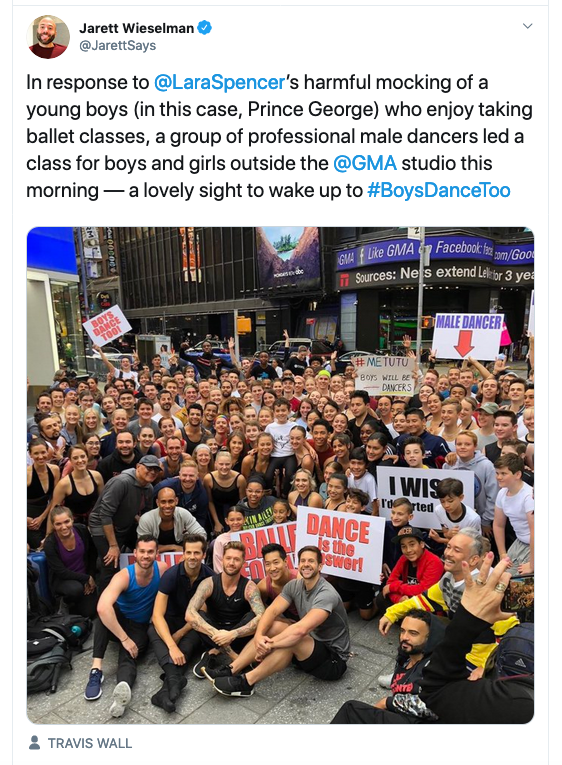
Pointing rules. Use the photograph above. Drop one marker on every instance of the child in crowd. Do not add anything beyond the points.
(416, 571)
(466, 457)
(414, 451)
(329, 469)
(452, 513)
(361, 479)
(234, 519)
(515, 502)
(401, 516)
(514, 446)
(351, 590)
(281, 511)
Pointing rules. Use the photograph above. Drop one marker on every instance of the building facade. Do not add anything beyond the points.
(359, 284)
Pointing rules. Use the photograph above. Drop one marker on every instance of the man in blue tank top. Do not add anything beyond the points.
(124, 610)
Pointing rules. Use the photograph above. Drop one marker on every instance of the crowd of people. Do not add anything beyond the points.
(177, 454)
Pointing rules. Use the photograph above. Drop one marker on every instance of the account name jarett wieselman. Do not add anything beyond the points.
(135, 28)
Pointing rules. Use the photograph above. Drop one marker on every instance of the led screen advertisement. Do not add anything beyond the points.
(288, 256)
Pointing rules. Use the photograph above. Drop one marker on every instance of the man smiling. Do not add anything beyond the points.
(45, 47)
(318, 643)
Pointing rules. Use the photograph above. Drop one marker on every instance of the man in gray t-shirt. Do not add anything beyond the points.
(318, 643)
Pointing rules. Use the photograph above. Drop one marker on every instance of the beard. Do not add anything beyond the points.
(48, 41)
(404, 654)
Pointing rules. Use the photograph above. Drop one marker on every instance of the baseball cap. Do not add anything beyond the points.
(150, 461)
(408, 531)
(488, 408)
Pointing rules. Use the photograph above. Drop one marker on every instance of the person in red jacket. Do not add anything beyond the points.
(416, 570)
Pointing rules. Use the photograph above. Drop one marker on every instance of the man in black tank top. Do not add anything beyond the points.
(234, 608)
(194, 431)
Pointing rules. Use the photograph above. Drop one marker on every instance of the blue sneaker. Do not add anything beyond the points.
(93, 689)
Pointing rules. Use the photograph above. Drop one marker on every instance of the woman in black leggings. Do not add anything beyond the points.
(71, 559)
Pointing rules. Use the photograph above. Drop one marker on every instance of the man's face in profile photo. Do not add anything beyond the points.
(46, 32)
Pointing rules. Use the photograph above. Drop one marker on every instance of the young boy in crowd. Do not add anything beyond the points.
(401, 516)
(234, 519)
(357, 501)
(515, 502)
(466, 457)
(514, 446)
(417, 570)
(351, 590)
(360, 478)
(450, 417)
(452, 513)
(414, 452)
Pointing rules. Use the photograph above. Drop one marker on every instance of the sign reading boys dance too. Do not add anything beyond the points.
(283, 534)
(459, 335)
(107, 326)
(384, 375)
(351, 544)
(419, 486)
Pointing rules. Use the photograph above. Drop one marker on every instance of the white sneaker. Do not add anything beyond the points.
(121, 697)
(385, 681)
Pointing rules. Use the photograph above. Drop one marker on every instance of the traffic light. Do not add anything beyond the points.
(427, 322)
(243, 325)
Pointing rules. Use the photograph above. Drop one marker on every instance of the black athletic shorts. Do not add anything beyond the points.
(322, 663)
(351, 590)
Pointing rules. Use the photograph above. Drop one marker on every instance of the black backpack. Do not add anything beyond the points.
(516, 652)
(45, 658)
(73, 629)
(51, 641)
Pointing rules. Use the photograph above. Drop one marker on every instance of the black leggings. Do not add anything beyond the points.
(188, 645)
(72, 592)
(126, 666)
(287, 467)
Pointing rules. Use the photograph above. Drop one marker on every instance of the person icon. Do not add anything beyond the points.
(34, 744)
(42, 34)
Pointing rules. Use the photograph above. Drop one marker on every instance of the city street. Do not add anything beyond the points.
(290, 697)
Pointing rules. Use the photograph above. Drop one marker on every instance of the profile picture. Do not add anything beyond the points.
(48, 36)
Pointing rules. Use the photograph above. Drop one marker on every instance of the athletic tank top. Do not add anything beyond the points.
(37, 500)
(190, 445)
(137, 603)
(302, 501)
(81, 504)
(268, 482)
(226, 611)
(225, 497)
(271, 595)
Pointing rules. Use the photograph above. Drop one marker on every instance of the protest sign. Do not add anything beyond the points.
(460, 335)
(388, 375)
(351, 544)
(418, 485)
(107, 326)
(283, 534)
(169, 558)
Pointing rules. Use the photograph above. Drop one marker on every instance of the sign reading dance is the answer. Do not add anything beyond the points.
(418, 485)
(351, 544)
(384, 375)
(460, 335)
(107, 326)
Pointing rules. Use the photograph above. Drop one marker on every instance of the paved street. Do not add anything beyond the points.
(287, 698)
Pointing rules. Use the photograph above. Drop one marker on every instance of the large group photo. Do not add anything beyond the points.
(280, 475)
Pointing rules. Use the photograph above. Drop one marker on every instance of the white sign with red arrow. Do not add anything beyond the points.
(460, 335)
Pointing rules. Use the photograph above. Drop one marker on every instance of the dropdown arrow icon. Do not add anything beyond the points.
(527, 26)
